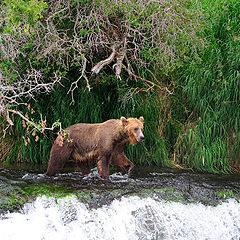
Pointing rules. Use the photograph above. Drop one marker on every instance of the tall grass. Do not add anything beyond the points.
(213, 87)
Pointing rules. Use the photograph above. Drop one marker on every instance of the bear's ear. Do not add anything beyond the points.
(124, 121)
(141, 119)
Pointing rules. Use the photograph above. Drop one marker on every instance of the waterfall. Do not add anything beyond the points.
(125, 218)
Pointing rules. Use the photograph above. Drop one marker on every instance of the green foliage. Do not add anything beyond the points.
(23, 12)
(212, 85)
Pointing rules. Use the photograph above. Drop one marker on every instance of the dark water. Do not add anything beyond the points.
(152, 204)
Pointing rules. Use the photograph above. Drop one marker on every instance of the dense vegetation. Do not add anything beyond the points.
(177, 63)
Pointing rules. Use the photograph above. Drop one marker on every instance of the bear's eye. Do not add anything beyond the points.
(135, 129)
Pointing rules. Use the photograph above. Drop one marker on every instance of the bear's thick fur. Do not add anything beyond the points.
(105, 141)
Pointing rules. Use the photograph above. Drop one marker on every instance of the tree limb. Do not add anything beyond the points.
(97, 68)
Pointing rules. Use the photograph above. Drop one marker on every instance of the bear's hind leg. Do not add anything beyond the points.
(59, 155)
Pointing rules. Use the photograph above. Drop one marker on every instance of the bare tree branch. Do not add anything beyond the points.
(97, 68)
(74, 84)
(40, 127)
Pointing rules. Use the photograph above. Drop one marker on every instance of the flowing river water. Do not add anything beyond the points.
(152, 204)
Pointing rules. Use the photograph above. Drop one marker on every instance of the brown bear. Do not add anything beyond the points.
(105, 141)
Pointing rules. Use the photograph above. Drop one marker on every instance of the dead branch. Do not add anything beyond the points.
(74, 84)
(118, 65)
(41, 127)
(148, 82)
(97, 68)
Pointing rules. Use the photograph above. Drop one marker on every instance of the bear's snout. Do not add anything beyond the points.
(141, 138)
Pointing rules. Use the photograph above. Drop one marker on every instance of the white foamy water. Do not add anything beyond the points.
(128, 218)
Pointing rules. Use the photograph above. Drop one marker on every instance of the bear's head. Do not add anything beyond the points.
(134, 129)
